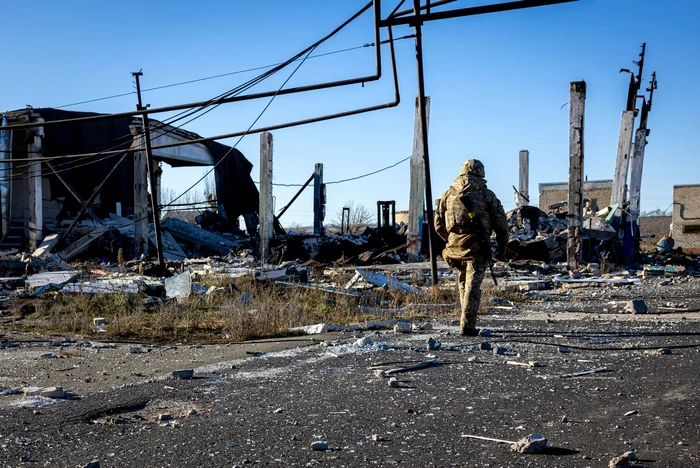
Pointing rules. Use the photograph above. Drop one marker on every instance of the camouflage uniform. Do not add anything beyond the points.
(456, 225)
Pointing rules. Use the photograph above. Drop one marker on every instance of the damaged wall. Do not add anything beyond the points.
(598, 191)
(686, 217)
(658, 226)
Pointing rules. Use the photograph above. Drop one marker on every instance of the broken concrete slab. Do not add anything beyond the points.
(534, 443)
(636, 306)
(53, 392)
(50, 280)
(597, 281)
(294, 272)
(381, 280)
(81, 244)
(171, 249)
(193, 235)
(102, 287)
(403, 327)
(183, 374)
(47, 245)
(179, 286)
(311, 329)
(432, 344)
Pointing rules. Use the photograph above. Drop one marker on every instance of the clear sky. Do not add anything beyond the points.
(497, 84)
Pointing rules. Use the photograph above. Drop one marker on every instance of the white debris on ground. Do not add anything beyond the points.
(361, 345)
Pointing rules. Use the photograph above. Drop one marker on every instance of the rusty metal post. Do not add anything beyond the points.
(151, 174)
(424, 134)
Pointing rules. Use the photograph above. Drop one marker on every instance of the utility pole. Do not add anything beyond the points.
(619, 190)
(265, 210)
(631, 242)
(424, 143)
(577, 104)
(151, 173)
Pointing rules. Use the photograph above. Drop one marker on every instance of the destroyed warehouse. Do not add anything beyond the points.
(85, 167)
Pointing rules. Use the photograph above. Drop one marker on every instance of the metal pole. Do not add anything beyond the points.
(284, 210)
(151, 174)
(424, 128)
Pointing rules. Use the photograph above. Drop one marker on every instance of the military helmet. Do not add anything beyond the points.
(473, 167)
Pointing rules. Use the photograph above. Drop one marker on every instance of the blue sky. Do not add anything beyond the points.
(497, 85)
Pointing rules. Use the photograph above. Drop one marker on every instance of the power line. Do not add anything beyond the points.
(349, 179)
(222, 75)
(250, 127)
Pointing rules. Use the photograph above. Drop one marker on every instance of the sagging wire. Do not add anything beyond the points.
(349, 179)
(237, 72)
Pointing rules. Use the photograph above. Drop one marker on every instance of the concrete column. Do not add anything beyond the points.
(35, 188)
(416, 201)
(624, 142)
(266, 207)
(524, 179)
(577, 101)
(140, 194)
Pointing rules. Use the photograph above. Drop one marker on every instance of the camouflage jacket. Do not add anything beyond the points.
(457, 228)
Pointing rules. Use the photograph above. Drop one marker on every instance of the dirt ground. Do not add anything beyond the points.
(266, 402)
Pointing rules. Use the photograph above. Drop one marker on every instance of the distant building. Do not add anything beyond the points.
(598, 192)
(402, 217)
(686, 217)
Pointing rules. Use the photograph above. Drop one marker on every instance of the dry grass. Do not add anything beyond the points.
(272, 310)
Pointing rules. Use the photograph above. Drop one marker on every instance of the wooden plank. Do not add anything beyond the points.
(523, 195)
(622, 160)
(266, 209)
(416, 201)
(577, 101)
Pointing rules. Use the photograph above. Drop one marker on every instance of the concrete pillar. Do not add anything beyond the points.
(577, 101)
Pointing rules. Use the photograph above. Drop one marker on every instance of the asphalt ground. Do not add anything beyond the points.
(266, 403)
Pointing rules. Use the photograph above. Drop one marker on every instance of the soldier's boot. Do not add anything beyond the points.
(473, 277)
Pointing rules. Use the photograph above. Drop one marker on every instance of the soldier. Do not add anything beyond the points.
(468, 212)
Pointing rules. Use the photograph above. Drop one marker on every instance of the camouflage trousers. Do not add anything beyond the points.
(470, 275)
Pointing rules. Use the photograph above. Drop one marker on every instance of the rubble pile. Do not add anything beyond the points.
(534, 235)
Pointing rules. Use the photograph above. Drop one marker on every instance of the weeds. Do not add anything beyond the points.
(270, 310)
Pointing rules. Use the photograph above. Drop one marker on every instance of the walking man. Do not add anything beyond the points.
(466, 216)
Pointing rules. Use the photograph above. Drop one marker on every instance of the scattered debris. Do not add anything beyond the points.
(403, 327)
(179, 286)
(381, 280)
(432, 344)
(636, 306)
(319, 446)
(534, 443)
(589, 371)
(49, 281)
(421, 365)
(183, 374)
